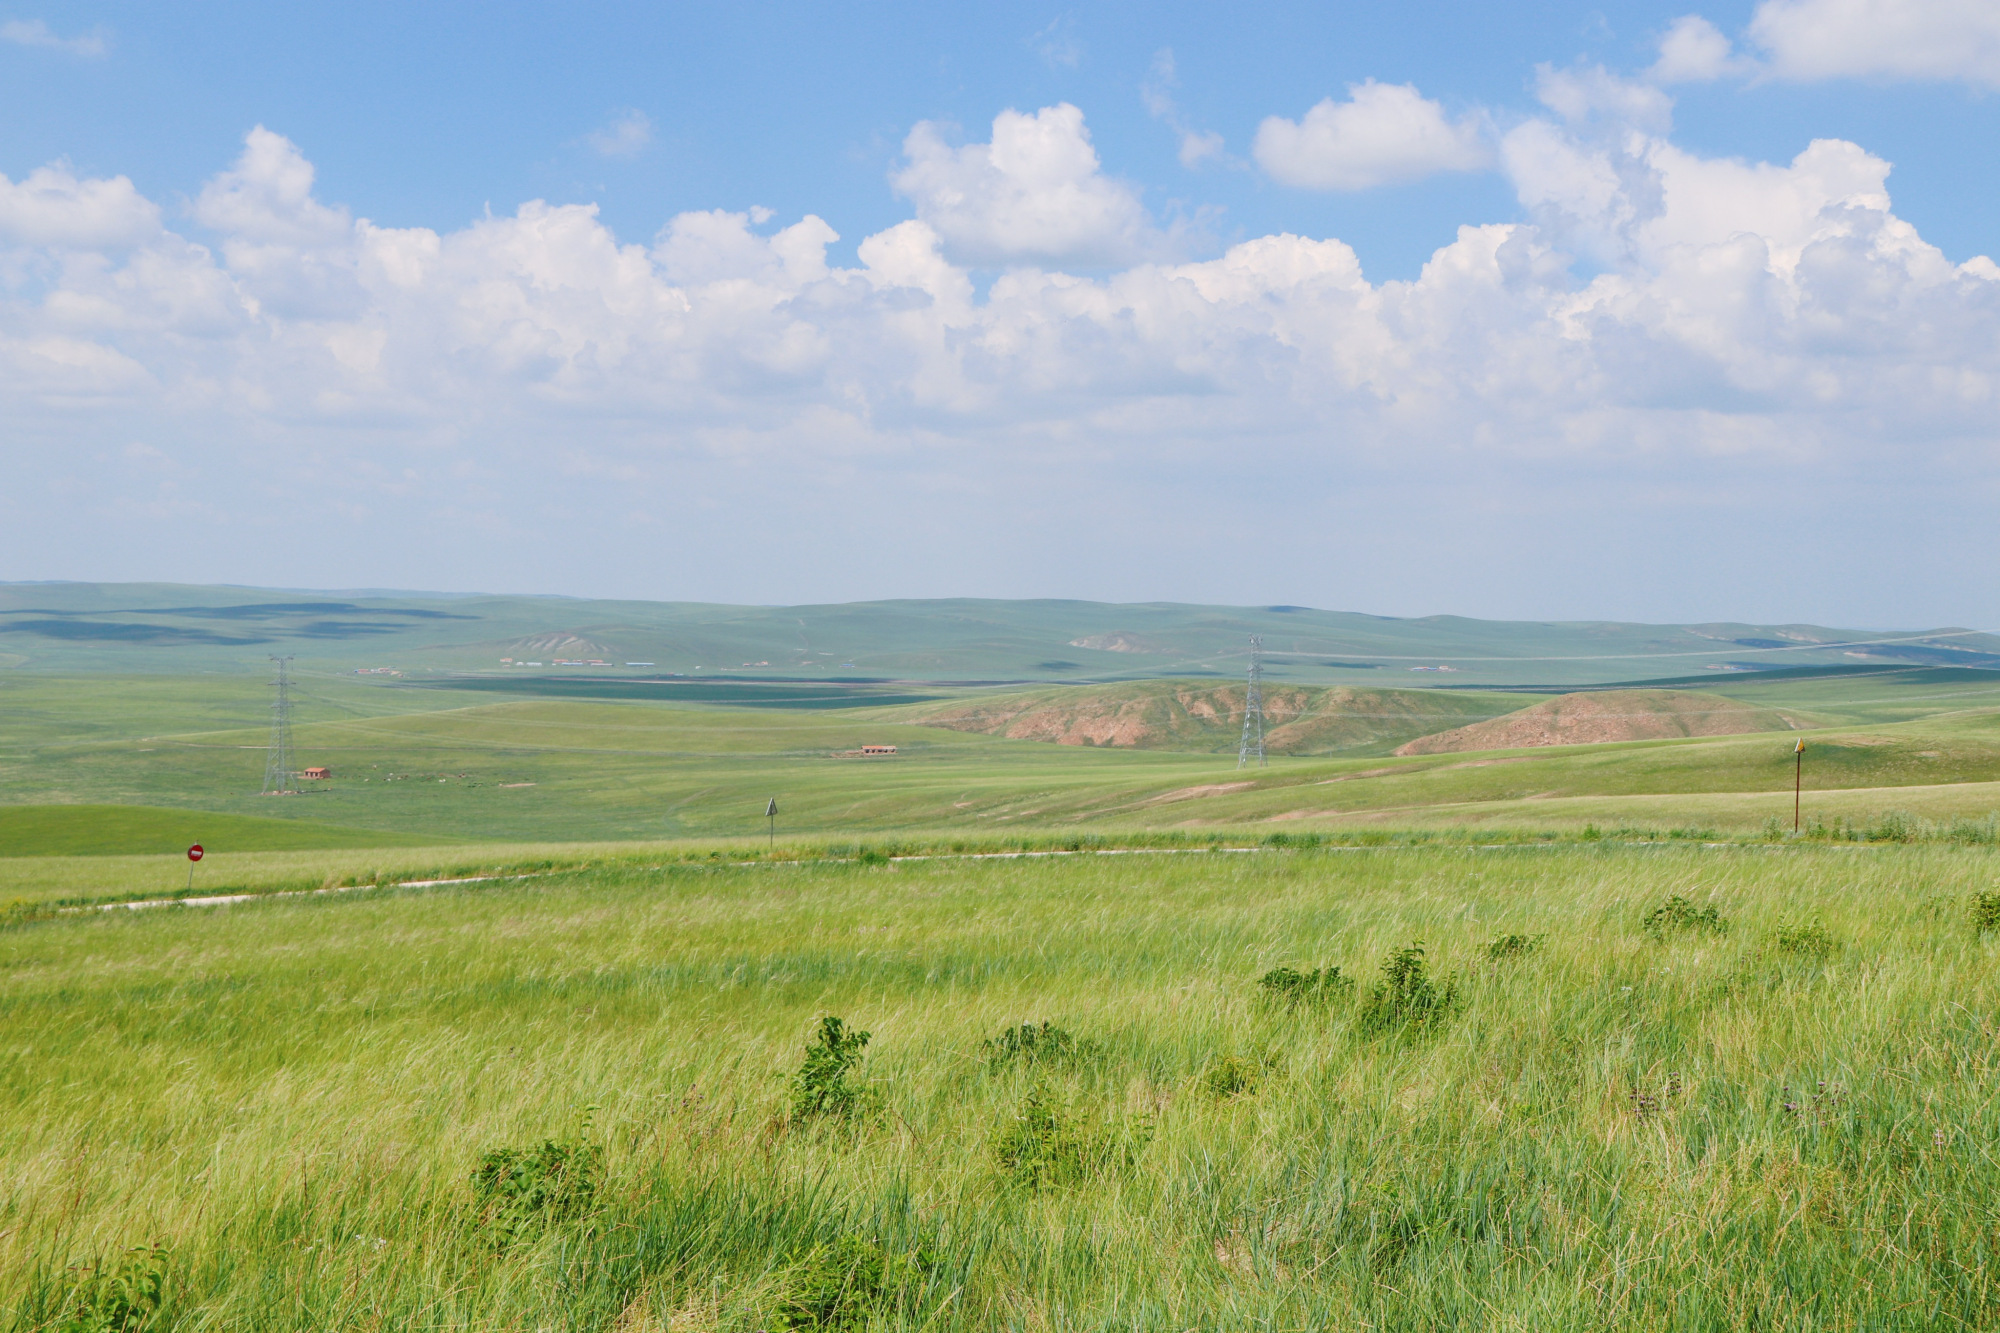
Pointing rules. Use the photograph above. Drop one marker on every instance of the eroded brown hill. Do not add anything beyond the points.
(1182, 715)
(1607, 715)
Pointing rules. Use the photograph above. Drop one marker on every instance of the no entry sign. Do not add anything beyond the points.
(194, 852)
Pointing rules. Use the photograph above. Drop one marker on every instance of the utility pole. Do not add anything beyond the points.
(278, 757)
(1253, 709)
(1798, 779)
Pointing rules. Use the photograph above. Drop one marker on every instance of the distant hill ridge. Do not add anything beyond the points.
(167, 627)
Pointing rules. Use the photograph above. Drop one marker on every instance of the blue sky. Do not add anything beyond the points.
(207, 349)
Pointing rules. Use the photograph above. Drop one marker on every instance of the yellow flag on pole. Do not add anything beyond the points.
(1800, 749)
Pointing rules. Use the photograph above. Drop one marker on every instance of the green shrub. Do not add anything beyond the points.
(1295, 989)
(840, 1285)
(1679, 916)
(519, 1192)
(1230, 1076)
(1513, 946)
(1985, 912)
(1407, 997)
(820, 1088)
(1810, 940)
(1030, 1044)
(1047, 1145)
(122, 1298)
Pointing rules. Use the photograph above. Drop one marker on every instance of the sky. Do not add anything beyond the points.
(1553, 311)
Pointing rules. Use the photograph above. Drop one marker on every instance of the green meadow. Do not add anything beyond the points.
(1672, 1086)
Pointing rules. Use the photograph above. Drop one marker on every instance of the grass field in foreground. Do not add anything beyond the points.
(1787, 1124)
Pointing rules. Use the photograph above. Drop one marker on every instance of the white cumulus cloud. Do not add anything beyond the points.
(1693, 50)
(1035, 193)
(1907, 39)
(1383, 133)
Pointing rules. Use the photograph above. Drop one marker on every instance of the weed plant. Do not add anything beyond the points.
(1809, 939)
(1408, 996)
(820, 1088)
(1678, 916)
(1294, 989)
(519, 1192)
(1030, 1044)
(845, 1284)
(1502, 947)
(123, 1297)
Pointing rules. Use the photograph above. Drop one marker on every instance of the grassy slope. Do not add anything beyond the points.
(1616, 1134)
(609, 771)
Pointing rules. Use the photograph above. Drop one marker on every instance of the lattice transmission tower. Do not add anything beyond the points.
(278, 756)
(1253, 709)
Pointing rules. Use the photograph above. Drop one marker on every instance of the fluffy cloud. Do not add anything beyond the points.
(730, 385)
(50, 208)
(1693, 50)
(1912, 39)
(1035, 193)
(1382, 134)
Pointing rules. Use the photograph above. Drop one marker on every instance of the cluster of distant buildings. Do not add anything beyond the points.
(571, 661)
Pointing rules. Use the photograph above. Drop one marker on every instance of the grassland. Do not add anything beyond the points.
(1784, 1124)
(420, 765)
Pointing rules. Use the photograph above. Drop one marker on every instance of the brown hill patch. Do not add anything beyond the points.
(1206, 718)
(1607, 715)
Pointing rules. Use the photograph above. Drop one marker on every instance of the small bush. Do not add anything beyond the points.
(1295, 989)
(1231, 1076)
(1030, 1044)
(1407, 997)
(122, 1298)
(1809, 940)
(1513, 946)
(820, 1088)
(1591, 833)
(1985, 912)
(1678, 916)
(1047, 1146)
(839, 1286)
(521, 1191)
(1692, 833)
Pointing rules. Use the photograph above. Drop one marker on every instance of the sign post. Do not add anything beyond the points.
(1798, 780)
(771, 813)
(194, 854)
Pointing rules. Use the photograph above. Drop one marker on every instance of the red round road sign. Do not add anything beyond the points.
(194, 852)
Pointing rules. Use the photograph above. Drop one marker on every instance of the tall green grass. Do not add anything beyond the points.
(1610, 1128)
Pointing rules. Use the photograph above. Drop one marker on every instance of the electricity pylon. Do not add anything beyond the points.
(1253, 709)
(278, 757)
